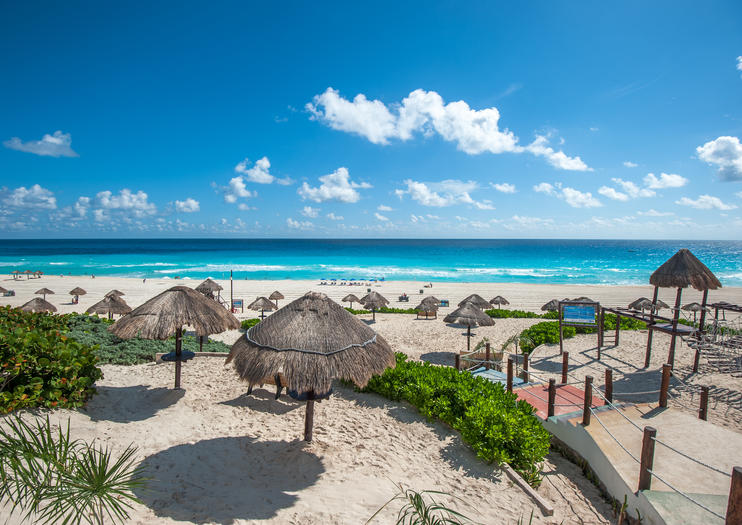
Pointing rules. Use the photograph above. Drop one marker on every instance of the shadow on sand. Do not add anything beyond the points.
(224, 480)
(264, 400)
(439, 358)
(130, 403)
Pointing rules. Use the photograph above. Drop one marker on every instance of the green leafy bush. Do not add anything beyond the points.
(498, 426)
(42, 367)
(546, 332)
(503, 313)
(249, 323)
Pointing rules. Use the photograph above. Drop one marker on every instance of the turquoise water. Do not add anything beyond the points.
(527, 261)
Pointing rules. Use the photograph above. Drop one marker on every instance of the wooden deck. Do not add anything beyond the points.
(568, 399)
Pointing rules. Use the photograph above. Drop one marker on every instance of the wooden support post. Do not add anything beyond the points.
(696, 360)
(510, 374)
(526, 377)
(600, 329)
(178, 353)
(457, 362)
(468, 338)
(561, 333)
(200, 343)
(702, 323)
(552, 396)
(487, 356)
(675, 317)
(703, 412)
(665, 385)
(279, 386)
(231, 293)
(309, 418)
(647, 458)
(618, 329)
(648, 355)
(588, 400)
(734, 505)
(565, 366)
(609, 385)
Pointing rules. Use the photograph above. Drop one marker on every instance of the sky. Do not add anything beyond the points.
(349, 120)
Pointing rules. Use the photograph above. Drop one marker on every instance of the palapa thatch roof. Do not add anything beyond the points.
(661, 304)
(682, 270)
(209, 286)
(694, 307)
(77, 291)
(551, 306)
(116, 293)
(37, 304)
(583, 299)
(476, 300)
(178, 306)
(262, 303)
(311, 341)
(499, 300)
(2, 290)
(469, 315)
(641, 304)
(350, 298)
(427, 307)
(431, 299)
(275, 296)
(44, 291)
(374, 300)
(110, 304)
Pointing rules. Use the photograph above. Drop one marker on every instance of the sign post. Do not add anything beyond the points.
(576, 313)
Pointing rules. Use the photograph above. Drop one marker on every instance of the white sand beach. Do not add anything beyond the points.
(219, 456)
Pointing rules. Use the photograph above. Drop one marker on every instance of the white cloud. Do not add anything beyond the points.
(706, 202)
(383, 207)
(236, 190)
(594, 129)
(634, 191)
(505, 187)
(335, 186)
(135, 203)
(299, 225)
(739, 194)
(473, 131)
(334, 217)
(56, 145)
(260, 172)
(189, 205)
(33, 197)
(380, 217)
(81, 206)
(655, 213)
(531, 222)
(739, 64)
(99, 215)
(612, 193)
(441, 194)
(310, 212)
(725, 152)
(665, 180)
(578, 199)
(630, 164)
(244, 207)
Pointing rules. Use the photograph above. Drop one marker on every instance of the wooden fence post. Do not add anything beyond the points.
(696, 360)
(665, 385)
(703, 412)
(565, 366)
(647, 458)
(552, 396)
(526, 377)
(510, 374)
(487, 356)
(458, 361)
(609, 385)
(588, 400)
(734, 506)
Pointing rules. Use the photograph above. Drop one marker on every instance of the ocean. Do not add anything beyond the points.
(609, 262)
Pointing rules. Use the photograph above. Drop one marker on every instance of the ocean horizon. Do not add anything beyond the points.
(545, 261)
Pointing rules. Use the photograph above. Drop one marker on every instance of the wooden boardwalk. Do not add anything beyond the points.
(568, 399)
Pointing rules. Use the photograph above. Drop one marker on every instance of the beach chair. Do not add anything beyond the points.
(9, 293)
(444, 302)
(404, 298)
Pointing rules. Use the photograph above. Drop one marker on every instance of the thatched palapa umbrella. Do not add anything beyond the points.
(695, 308)
(469, 315)
(476, 300)
(167, 313)
(44, 292)
(499, 300)
(37, 304)
(640, 304)
(76, 293)
(350, 298)
(262, 304)
(373, 301)
(660, 304)
(208, 287)
(583, 300)
(115, 292)
(2, 290)
(680, 271)
(427, 307)
(16, 274)
(311, 341)
(275, 296)
(551, 306)
(110, 305)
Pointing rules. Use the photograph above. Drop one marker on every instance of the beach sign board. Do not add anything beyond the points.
(579, 313)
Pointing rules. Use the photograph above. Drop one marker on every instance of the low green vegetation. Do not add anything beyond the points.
(504, 313)
(499, 427)
(249, 323)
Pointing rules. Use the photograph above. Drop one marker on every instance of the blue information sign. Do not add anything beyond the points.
(578, 313)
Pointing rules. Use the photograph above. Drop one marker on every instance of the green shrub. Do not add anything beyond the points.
(249, 323)
(504, 313)
(543, 333)
(42, 367)
(498, 426)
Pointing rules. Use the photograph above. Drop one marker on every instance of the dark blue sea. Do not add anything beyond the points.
(527, 261)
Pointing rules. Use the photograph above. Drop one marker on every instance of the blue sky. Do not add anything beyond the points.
(562, 119)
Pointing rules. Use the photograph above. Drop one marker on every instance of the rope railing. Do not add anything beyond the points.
(614, 437)
(686, 496)
(691, 458)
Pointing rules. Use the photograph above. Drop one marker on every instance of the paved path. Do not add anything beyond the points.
(568, 399)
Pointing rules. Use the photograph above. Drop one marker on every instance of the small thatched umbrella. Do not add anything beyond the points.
(115, 292)
(551, 306)
(110, 304)
(38, 304)
(311, 341)
(262, 304)
(476, 300)
(2, 290)
(660, 305)
(373, 301)
(427, 307)
(583, 300)
(499, 300)
(44, 292)
(350, 298)
(76, 293)
(208, 287)
(641, 304)
(469, 315)
(28, 274)
(167, 313)
(16, 274)
(680, 271)
(695, 308)
(275, 296)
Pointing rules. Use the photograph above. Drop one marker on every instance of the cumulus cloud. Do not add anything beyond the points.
(299, 225)
(189, 205)
(334, 217)
(665, 180)
(310, 212)
(630, 164)
(442, 194)
(236, 189)
(260, 172)
(634, 191)
(505, 187)
(726, 153)
(739, 64)
(57, 144)
(383, 207)
(473, 131)
(655, 213)
(335, 186)
(381, 217)
(612, 193)
(573, 197)
(135, 203)
(34, 197)
(706, 202)
(81, 206)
